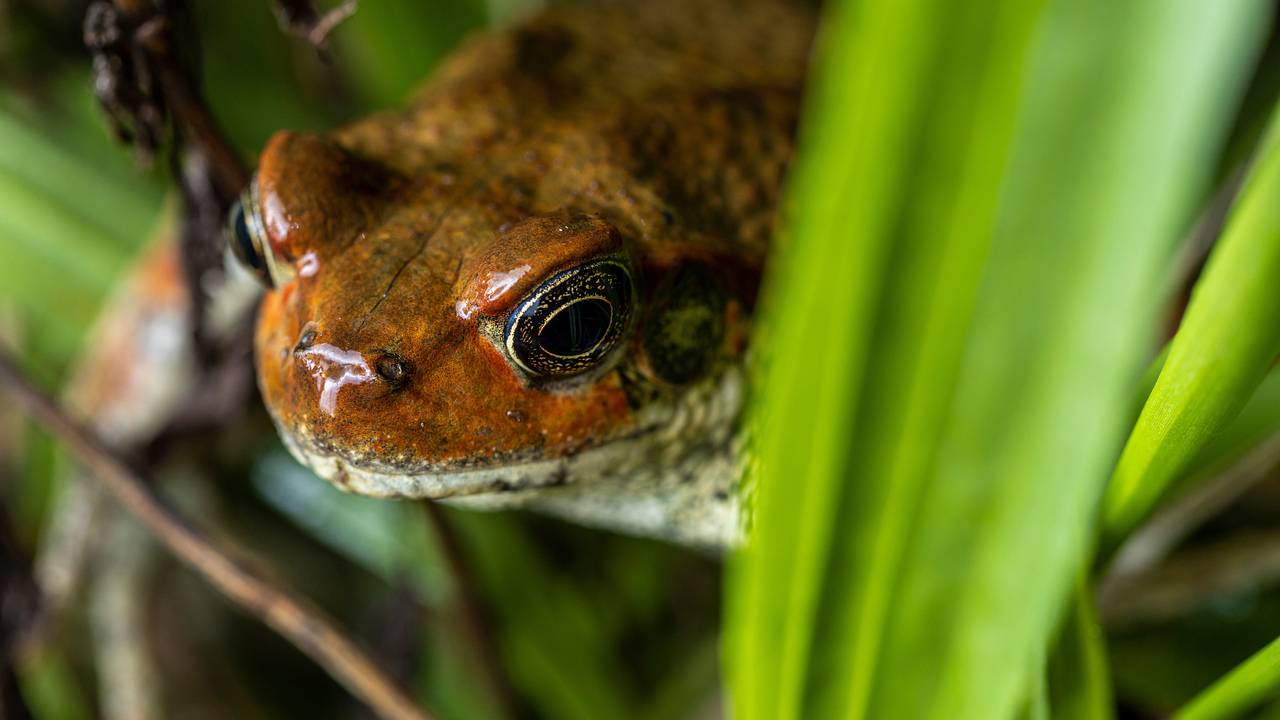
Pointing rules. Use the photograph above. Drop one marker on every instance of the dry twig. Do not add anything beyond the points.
(295, 619)
(139, 78)
(300, 19)
(149, 94)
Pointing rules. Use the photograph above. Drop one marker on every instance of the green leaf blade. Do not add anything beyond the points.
(1095, 197)
(781, 576)
(1228, 340)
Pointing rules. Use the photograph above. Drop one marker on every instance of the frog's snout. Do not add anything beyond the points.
(334, 369)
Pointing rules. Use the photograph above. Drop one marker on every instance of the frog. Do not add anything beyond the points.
(534, 285)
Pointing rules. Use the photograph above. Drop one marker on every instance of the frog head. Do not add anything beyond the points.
(439, 328)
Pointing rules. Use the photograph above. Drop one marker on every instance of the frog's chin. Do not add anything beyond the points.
(673, 475)
(502, 484)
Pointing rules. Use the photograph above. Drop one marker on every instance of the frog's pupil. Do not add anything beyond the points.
(243, 239)
(576, 329)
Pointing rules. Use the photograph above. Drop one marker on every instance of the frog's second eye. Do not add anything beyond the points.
(570, 323)
(246, 236)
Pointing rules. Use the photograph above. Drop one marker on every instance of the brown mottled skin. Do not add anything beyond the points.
(659, 131)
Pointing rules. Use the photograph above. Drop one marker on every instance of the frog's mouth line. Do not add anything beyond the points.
(619, 486)
(663, 435)
(509, 478)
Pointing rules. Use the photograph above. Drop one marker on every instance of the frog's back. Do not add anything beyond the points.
(675, 113)
(587, 56)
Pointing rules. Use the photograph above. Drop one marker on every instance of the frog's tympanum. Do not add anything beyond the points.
(533, 287)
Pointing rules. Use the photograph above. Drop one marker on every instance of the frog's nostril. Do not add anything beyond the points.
(393, 369)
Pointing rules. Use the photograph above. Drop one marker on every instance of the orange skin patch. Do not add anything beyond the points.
(582, 134)
(111, 374)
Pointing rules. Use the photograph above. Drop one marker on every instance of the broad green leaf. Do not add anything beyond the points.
(1125, 108)
(903, 193)
(1228, 339)
(926, 473)
(116, 202)
(68, 227)
(41, 220)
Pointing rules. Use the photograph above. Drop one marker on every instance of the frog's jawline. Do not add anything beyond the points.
(674, 476)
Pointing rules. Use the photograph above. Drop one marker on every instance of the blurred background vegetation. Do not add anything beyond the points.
(588, 624)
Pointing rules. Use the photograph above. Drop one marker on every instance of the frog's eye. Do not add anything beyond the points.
(246, 236)
(570, 323)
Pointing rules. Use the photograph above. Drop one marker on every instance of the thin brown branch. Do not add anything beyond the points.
(329, 21)
(189, 110)
(300, 19)
(147, 94)
(469, 608)
(139, 78)
(295, 619)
